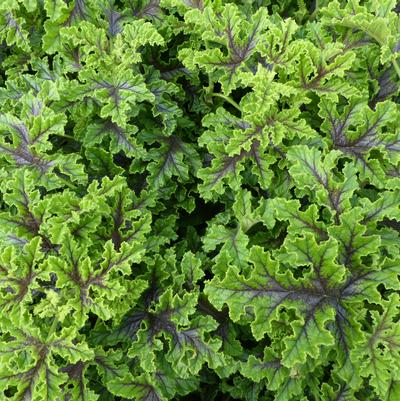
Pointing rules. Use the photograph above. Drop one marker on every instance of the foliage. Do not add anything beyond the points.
(200, 199)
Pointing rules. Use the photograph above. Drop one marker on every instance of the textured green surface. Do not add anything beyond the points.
(199, 200)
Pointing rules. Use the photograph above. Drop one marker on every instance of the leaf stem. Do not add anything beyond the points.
(69, 184)
(396, 67)
(227, 99)
(65, 136)
(52, 328)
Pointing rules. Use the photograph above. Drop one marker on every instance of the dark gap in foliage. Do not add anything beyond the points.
(203, 212)
(238, 94)
(10, 391)
(300, 271)
(120, 159)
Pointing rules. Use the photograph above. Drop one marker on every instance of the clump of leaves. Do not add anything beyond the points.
(200, 199)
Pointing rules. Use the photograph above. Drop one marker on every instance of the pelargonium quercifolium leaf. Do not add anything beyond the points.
(199, 199)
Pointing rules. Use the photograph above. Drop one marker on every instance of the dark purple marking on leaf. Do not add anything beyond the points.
(107, 366)
(273, 364)
(394, 172)
(344, 394)
(238, 53)
(17, 240)
(241, 124)
(192, 338)
(276, 59)
(114, 19)
(215, 29)
(322, 71)
(40, 134)
(145, 8)
(160, 322)
(30, 376)
(20, 129)
(322, 234)
(74, 371)
(74, 54)
(255, 155)
(367, 140)
(229, 166)
(230, 162)
(97, 278)
(13, 24)
(78, 12)
(314, 295)
(31, 84)
(130, 325)
(23, 157)
(149, 394)
(166, 107)
(22, 284)
(156, 323)
(396, 48)
(174, 146)
(371, 215)
(359, 283)
(76, 276)
(349, 249)
(205, 307)
(391, 223)
(153, 291)
(310, 296)
(339, 328)
(120, 134)
(199, 4)
(115, 89)
(257, 131)
(334, 196)
(339, 127)
(84, 223)
(36, 107)
(138, 228)
(387, 87)
(29, 221)
(94, 279)
(265, 64)
(169, 74)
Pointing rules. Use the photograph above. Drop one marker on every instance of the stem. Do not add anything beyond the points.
(65, 136)
(52, 328)
(69, 184)
(396, 67)
(227, 99)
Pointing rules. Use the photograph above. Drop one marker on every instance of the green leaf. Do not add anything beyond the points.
(314, 174)
(379, 353)
(359, 142)
(238, 36)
